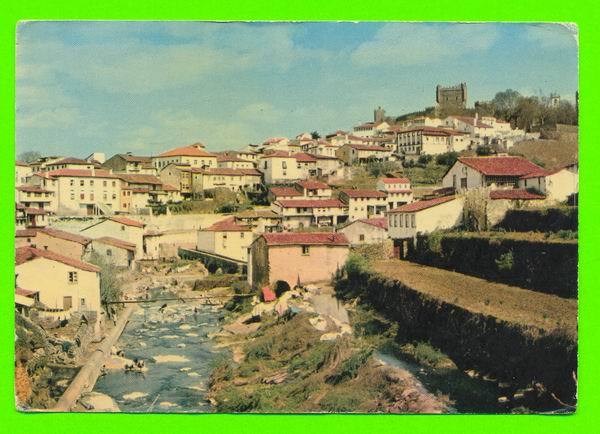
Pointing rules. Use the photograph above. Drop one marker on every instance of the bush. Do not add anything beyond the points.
(350, 366)
(447, 159)
(424, 159)
(356, 265)
(505, 262)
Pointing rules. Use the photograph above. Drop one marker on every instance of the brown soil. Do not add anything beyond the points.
(509, 303)
(551, 153)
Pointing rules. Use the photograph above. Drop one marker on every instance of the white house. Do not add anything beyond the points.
(112, 250)
(430, 141)
(65, 285)
(279, 167)
(557, 184)
(366, 231)
(397, 189)
(364, 204)
(194, 155)
(424, 216)
(310, 212)
(475, 172)
(121, 228)
(226, 238)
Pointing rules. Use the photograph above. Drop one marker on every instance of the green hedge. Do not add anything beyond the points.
(511, 352)
(543, 266)
(540, 220)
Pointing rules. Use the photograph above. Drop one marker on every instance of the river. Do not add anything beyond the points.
(177, 353)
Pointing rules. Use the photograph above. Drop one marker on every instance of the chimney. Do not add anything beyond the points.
(476, 118)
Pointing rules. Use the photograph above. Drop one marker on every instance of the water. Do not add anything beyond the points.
(177, 353)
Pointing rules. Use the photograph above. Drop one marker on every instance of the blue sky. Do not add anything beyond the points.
(145, 87)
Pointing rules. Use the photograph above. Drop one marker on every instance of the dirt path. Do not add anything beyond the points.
(505, 302)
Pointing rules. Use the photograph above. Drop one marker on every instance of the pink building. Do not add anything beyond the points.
(290, 258)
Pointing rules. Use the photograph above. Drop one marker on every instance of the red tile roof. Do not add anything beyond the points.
(21, 163)
(501, 166)
(311, 203)
(284, 191)
(367, 147)
(539, 174)
(36, 211)
(433, 131)
(228, 225)
(226, 171)
(187, 151)
(304, 158)
(304, 238)
(24, 254)
(363, 193)
(33, 189)
(395, 180)
(381, 222)
(422, 204)
(169, 187)
(471, 121)
(516, 194)
(277, 154)
(116, 243)
(25, 233)
(135, 158)
(127, 221)
(71, 160)
(139, 179)
(25, 292)
(79, 173)
(64, 235)
(231, 158)
(312, 185)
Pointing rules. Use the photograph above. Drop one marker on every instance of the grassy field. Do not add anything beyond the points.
(509, 303)
(558, 237)
(551, 154)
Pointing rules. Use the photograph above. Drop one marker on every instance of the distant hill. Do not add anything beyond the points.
(560, 150)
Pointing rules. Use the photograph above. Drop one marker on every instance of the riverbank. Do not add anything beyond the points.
(523, 342)
(299, 354)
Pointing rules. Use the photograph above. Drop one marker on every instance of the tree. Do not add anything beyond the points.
(446, 159)
(315, 135)
(110, 282)
(28, 156)
(475, 209)
(505, 103)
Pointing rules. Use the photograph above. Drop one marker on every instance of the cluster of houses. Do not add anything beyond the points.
(279, 244)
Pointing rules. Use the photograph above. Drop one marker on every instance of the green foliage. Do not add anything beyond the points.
(566, 235)
(261, 349)
(110, 283)
(425, 159)
(377, 169)
(315, 135)
(485, 150)
(446, 159)
(356, 265)
(349, 367)
(434, 241)
(425, 353)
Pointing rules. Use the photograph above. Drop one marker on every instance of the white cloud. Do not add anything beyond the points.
(420, 44)
(559, 36)
(49, 118)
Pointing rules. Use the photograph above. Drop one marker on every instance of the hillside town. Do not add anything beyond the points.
(429, 201)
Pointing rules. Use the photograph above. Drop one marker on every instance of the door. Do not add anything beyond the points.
(67, 302)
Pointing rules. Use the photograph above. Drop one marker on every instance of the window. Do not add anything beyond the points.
(72, 277)
(72, 182)
(305, 250)
(81, 196)
(361, 237)
(91, 182)
(114, 183)
(463, 182)
(406, 217)
(114, 195)
(108, 252)
(82, 303)
(122, 227)
(242, 234)
(284, 164)
(104, 183)
(412, 220)
(81, 182)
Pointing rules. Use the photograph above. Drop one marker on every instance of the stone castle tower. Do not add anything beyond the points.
(378, 115)
(451, 97)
